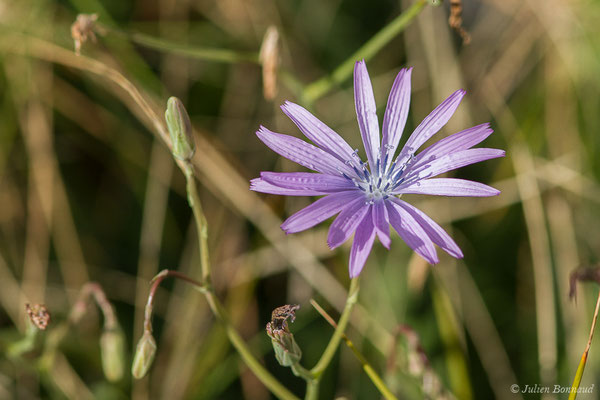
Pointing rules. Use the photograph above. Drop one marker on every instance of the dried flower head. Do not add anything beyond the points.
(39, 315)
(82, 28)
(366, 195)
(287, 351)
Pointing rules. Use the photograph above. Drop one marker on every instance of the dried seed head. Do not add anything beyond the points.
(39, 315)
(287, 351)
(144, 355)
(269, 58)
(82, 28)
(180, 129)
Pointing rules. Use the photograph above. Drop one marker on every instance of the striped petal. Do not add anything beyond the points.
(364, 101)
(345, 224)
(459, 141)
(396, 113)
(382, 223)
(431, 125)
(448, 187)
(319, 133)
(262, 186)
(411, 232)
(318, 211)
(362, 245)
(302, 153)
(451, 162)
(435, 232)
(308, 181)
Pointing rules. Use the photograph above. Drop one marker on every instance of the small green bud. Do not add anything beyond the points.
(144, 355)
(180, 129)
(287, 351)
(112, 349)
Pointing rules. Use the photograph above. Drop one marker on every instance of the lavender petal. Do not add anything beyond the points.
(459, 141)
(319, 133)
(448, 187)
(411, 232)
(262, 186)
(364, 101)
(435, 232)
(318, 211)
(431, 125)
(345, 224)
(362, 245)
(452, 161)
(308, 181)
(382, 223)
(396, 113)
(302, 153)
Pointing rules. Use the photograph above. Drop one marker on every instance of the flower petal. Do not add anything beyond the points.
(308, 181)
(318, 211)
(382, 223)
(362, 245)
(459, 141)
(431, 125)
(302, 153)
(366, 112)
(319, 133)
(435, 232)
(260, 185)
(345, 224)
(450, 162)
(411, 232)
(396, 113)
(448, 187)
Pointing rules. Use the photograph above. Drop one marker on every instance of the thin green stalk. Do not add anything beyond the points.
(583, 361)
(369, 370)
(334, 342)
(201, 53)
(312, 390)
(200, 219)
(321, 86)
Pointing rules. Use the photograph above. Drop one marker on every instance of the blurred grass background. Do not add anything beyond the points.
(89, 193)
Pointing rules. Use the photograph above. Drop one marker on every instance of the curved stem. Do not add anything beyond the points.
(334, 342)
(200, 219)
(320, 87)
(201, 53)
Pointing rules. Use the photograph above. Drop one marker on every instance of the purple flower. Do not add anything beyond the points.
(367, 198)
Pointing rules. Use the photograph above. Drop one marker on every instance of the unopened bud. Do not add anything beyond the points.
(144, 355)
(180, 129)
(112, 349)
(269, 58)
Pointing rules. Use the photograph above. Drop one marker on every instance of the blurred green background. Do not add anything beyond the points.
(89, 193)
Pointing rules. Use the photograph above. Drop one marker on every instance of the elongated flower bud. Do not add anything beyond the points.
(180, 129)
(287, 351)
(144, 355)
(112, 349)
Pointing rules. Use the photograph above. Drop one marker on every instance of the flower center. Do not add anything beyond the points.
(378, 183)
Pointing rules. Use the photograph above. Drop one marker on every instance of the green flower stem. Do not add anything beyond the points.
(201, 53)
(369, 370)
(583, 361)
(334, 342)
(215, 305)
(312, 390)
(200, 219)
(321, 86)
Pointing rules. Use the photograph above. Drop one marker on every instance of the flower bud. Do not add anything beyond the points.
(144, 355)
(112, 350)
(269, 58)
(180, 129)
(287, 351)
